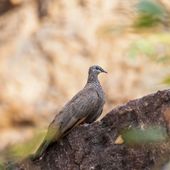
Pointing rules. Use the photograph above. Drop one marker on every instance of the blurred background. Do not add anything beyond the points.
(47, 46)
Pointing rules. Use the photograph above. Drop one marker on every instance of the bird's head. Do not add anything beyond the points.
(96, 70)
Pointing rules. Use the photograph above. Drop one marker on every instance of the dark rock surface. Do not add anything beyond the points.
(93, 147)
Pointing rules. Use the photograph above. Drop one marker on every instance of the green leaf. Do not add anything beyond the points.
(150, 7)
(141, 46)
(166, 80)
(140, 136)
(146, 20)
(22, 150)
(150, 13)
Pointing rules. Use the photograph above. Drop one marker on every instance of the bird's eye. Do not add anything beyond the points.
(97, 68)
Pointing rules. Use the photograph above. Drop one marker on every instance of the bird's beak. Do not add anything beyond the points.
(104, 71)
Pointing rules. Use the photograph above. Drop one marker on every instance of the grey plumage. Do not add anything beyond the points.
(85, 107)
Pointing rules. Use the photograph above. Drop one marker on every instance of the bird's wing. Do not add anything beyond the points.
(73, 113)
(78, 109)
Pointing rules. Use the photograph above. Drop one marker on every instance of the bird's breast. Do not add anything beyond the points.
(98, 88)
(100, 93)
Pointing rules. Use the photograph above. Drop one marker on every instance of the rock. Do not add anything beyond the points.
(93, 147)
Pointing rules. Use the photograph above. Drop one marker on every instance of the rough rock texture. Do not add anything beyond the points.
(93, 146)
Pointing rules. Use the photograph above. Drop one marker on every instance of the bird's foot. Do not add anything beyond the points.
(85, 124)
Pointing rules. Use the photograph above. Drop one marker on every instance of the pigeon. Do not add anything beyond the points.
(85, 107)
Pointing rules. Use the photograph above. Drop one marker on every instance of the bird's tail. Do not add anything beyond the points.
(53, 134)
(40, 150)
